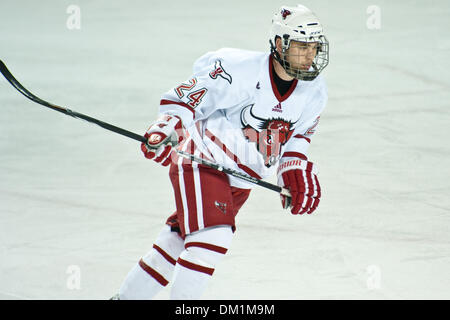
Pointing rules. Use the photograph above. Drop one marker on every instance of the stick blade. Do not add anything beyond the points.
(16, 84)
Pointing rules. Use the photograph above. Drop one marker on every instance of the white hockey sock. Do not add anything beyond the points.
(203, 251)
(154, 270)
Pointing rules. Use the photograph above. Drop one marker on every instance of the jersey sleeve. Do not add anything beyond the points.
(212, 86)
(298, 145)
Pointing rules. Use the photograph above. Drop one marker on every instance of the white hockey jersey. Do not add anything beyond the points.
(235, 115)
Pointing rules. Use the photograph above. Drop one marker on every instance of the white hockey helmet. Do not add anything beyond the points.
(298, 24)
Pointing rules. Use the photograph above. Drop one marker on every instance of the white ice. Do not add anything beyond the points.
(78, 200)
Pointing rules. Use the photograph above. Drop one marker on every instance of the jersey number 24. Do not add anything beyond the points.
(194, 97)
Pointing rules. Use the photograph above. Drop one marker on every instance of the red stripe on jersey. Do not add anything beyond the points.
(165, 254)
(299, 136)
(222, 146)
(231, 155)
(192, 148)
(152, 272)
(208, 246)
(197, 126)
(202, 155)
(248, 171)
(295, 155)
(195, 267)
(180, 103)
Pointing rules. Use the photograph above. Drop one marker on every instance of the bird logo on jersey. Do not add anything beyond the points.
(312, 129)
(285, 13)
(268, 134)
(220, 71)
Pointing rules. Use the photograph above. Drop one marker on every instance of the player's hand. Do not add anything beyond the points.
(300, 178)
(162, 136)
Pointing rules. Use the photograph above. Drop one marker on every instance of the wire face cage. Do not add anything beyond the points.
(320, 60)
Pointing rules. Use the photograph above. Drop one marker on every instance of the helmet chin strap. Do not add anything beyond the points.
(275, 53)
(283, 62)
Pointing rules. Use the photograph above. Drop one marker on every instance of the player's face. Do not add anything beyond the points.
(300, 55)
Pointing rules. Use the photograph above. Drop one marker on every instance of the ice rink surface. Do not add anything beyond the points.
(80, 205)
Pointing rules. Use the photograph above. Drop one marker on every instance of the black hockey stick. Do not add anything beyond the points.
(16, 84)
(237, 174)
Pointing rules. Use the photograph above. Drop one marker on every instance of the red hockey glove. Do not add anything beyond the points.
(163, 134)
(300, 177)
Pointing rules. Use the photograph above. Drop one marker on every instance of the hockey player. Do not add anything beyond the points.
(250, 111)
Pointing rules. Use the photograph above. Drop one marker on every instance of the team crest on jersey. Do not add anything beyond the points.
(268, 134)
(220, 71)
